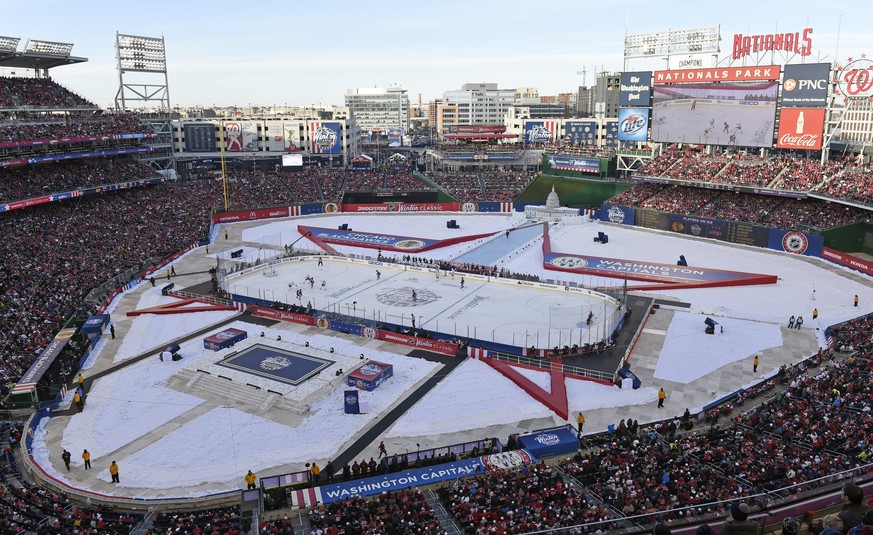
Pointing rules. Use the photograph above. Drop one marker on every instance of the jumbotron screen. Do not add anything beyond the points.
(738, 114)
(292, 160)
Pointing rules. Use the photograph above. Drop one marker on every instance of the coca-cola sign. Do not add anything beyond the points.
(800, 128)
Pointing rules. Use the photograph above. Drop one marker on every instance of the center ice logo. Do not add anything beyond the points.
(275, 363)
(402, 297)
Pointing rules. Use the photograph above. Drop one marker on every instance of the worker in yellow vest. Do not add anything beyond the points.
(250, 480)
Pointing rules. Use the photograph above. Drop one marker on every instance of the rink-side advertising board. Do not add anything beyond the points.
(386, 242)
(641, 270)
(370, 486)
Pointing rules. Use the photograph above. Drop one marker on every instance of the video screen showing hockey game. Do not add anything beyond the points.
(739, 113)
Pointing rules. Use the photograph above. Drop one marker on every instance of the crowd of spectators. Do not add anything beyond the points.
(505, 186)
(74, 127)
(696, 168)
(463, 186)
(750, 172)
(223, 520)
(770, 211)
(24, 507)
(806, 174)
(578, 150)
(27, 182)
(401, 512)
(483, 185)
(854, 184)
(54, 254)
(42, 92)
(535, 498)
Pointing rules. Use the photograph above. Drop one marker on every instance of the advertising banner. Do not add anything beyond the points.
(224, 339)
(371, 486)
(735, 114)
(719, 74)
(275, 134)
(847, 260)
(806, 85)
(617, 214)
(351, 402)
(651, 271)
(347, 328)
(574, 163)
(580, 132)
(395, 136)
(292, 136)
(259, 213)
(93, 327)
(325, 138)
(550, 442)
(47, 357)
(636, 89)
(402, 207)
(611, 134)
(241, 136)
(437, 346)
(541, 131)
(800, 128)
(796, 242)
(386, 242)
(281, 315)
(370, 375)
(633, 124)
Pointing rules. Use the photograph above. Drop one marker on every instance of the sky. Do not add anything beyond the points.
(304, 53)
(139, 401)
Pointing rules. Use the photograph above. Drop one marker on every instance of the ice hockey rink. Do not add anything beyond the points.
(517, 313)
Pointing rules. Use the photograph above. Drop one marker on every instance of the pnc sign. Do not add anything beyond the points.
(797, 42)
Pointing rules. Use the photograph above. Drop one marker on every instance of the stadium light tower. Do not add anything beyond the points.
(665, 44)
(142, 78)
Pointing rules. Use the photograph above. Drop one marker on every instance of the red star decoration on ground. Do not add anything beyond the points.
(850, 59)
(863, 56)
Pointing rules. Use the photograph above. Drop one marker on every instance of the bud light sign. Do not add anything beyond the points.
(325, 138)
(633, 124)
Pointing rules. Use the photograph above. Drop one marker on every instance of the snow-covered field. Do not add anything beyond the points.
(180, 444)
